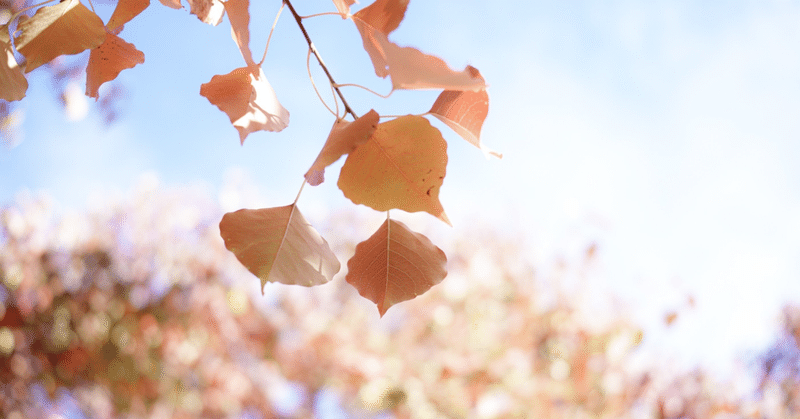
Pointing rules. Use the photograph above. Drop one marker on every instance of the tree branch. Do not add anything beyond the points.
(299, 20)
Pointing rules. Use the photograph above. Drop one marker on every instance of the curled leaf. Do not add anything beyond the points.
(124, 12)
(62, 29)
(13, 83)
(240, 27)
(410, 68)
(464, 112)
(402, 166)
(377, 21)
(279, 245)
(343, 138)
(395, 264)
(248, 99)
(108, 60)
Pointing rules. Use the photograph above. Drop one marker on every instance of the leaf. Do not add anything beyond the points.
(410, 68)
(248, 99)
(343, 6)
(13, 83)
(377, 21)
(382, 15)
(240, 27)
(395, 264)
(279, 245)
(208, 11)
(108, 60)
(401, 166)
(343, 139)
(124, 12)
(175, 4)
(63, 29)
(464, 112)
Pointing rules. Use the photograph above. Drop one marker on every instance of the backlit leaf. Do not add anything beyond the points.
(13, 83)
(410, 68)
(108, 60)
(62, 29)
(208, 11)
(377, 21)
(279, 245)
(464, 112)
(395, 264)
(175, 4)
(343, 6)
(401, 166)
(124, 12)
(239, 17)
(343, 138)
(248, 99)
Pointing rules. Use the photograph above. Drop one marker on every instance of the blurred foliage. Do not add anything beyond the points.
(136, 310)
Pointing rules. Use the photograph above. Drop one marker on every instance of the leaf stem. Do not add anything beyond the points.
(299, 20)
(275, 23)
(300, 191)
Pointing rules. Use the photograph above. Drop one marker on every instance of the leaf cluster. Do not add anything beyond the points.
(399, 163)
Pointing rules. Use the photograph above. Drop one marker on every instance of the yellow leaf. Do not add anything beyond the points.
(343, 138)
(248, 99)
(395, 264)
(401, 166)
(279, 245)
(108, 60)
(464, 111)
(63, 29)
(124, 12)
(13, 84)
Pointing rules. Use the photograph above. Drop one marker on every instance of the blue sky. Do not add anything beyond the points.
(664, 131)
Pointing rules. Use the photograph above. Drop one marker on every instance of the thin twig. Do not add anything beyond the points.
(299, 20)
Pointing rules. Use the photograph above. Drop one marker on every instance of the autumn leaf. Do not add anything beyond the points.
(65, 28)
(248, 99)
(343, 6)
(13, 83)
(401, 166)
(239, 17)
(208, 11)
(395, 264)
(175, 4)
(279, 245)
(343, 138)
(410, 68)
(383, 15)
(124, 12)
(108, 60)
(464, 112)
(377, 21)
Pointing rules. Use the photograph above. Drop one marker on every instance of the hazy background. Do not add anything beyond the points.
(666, 132)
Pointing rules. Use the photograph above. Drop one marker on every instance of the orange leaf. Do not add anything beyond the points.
(248, 99)
(108, 60)
(63, 29)
(410, 68)
(125, 11)
(208, 11)
(383, 15)
(175, 4)
(279, 245)
(13, 84)
(464, 112)
(343, 6)
(343, 139)
(401, 166)
(240, 27)
(395, 265)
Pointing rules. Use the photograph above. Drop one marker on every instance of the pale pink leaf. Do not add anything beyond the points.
(239, 16)
(208, 11)
(175, 4)
(343, 6)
